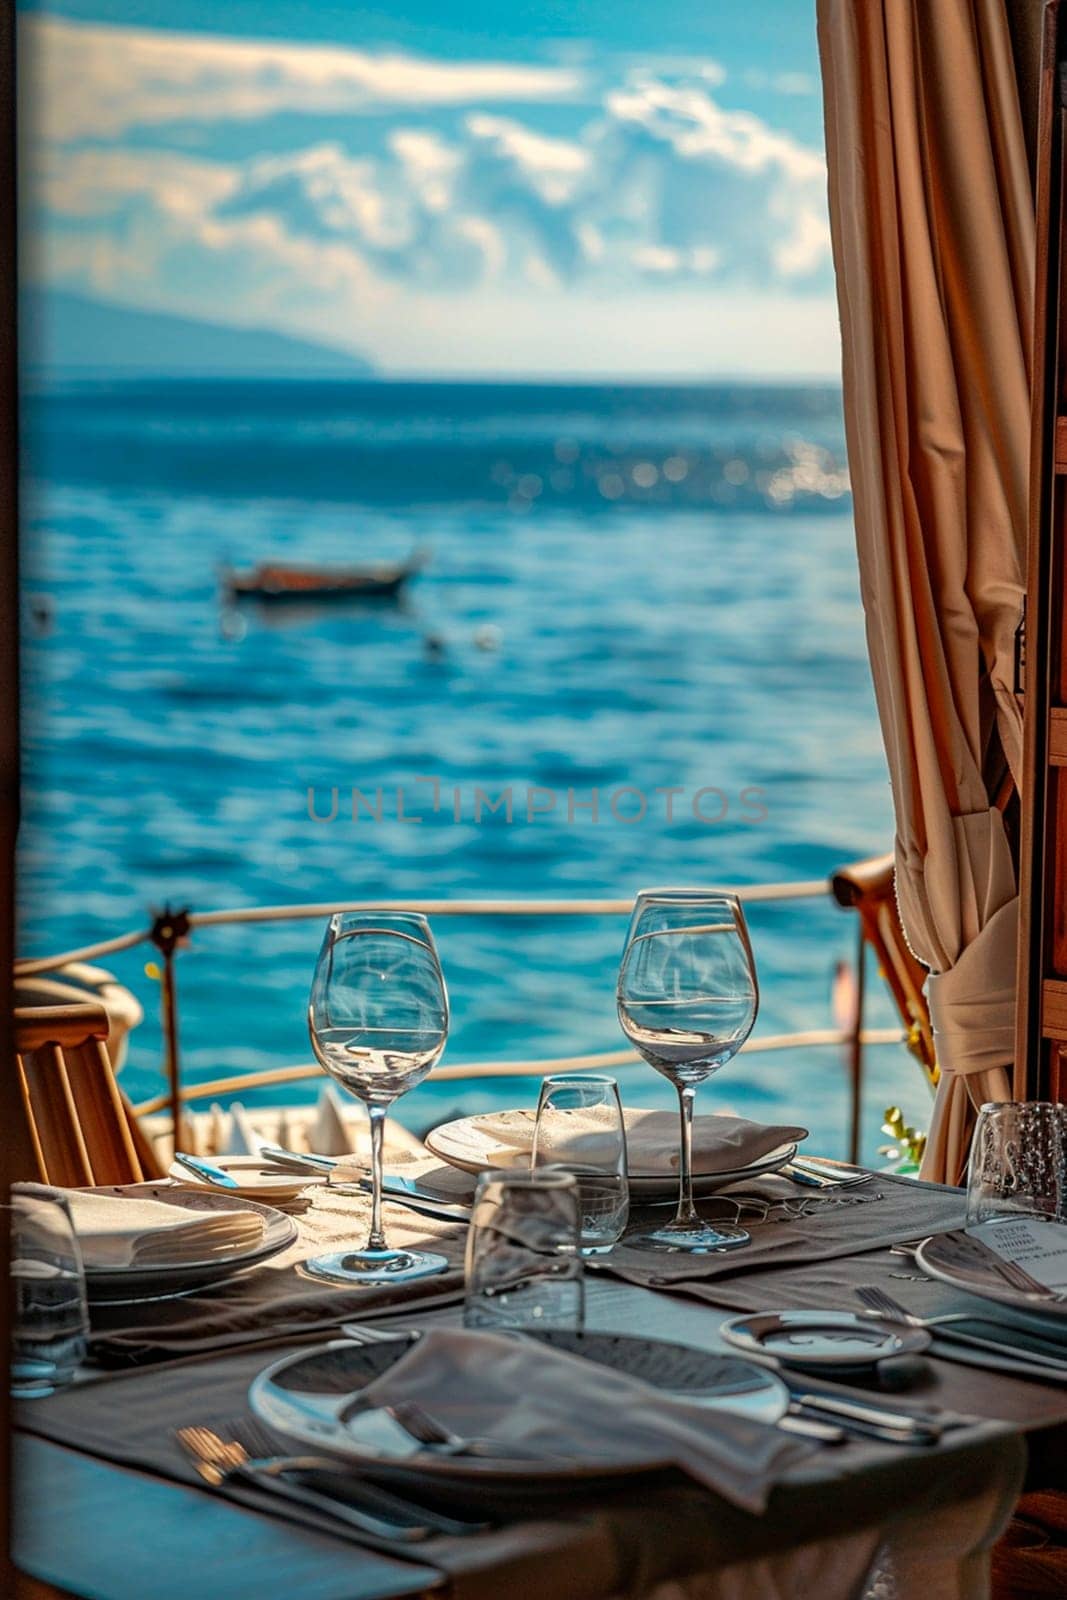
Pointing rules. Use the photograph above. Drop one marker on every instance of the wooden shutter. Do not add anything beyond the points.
(1041, 1035)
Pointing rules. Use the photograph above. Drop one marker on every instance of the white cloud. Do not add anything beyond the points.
(687, 118)
(85, 80)
(554, 168)
(99, 184)
(429, 165)
(791, 83)
(431, 228)
(806, 247)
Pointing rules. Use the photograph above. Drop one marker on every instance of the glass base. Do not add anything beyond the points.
(696, 1238)
(375, 1266)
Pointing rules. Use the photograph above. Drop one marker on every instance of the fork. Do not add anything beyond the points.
(876, 1299)
(428, 1431)
(262, 1444)
(218, 1460)
(359, 1333)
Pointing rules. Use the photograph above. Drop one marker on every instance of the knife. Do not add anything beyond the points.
(916, 1429)
(905, 1427)
(806, 1170)
(426, 1205)
(204, 1170)
(294, 1161)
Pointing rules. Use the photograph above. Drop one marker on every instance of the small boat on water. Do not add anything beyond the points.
(276, 582)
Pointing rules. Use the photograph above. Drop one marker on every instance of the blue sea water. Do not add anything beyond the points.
(628, 590)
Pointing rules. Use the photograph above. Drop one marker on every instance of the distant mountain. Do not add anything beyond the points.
(65, 335)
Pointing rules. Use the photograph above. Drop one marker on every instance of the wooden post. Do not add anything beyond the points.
(855, 1051)
(168, 931)
(1041, 1016)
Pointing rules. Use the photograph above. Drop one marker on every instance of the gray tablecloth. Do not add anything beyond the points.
(278, 1300)
(824, 1525)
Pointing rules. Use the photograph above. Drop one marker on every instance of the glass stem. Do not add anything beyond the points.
(687, 1212)
(377, 1131)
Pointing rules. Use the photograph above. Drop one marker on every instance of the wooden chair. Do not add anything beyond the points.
(867, 888)
(82, 1128)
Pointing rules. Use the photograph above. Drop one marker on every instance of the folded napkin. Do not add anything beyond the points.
(116, 1231)
(545, 1402)
(720, 1143)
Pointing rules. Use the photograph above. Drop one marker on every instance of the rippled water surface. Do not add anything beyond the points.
(630, 591)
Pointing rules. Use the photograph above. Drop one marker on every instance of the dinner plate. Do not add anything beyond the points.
(466, 1146)
(823, 1340)
(311, 1398)
(957, 1259)
(156, 1280)
(256, 1179)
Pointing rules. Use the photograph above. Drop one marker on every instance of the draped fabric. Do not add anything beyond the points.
(932, 219)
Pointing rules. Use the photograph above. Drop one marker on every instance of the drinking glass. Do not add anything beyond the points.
(580, 1129)
(524, 1265)
(687, 1000)
(50, 1317)
(1018, 1164)
(378, 1019)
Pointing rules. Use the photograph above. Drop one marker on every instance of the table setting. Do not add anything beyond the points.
(562, 1310)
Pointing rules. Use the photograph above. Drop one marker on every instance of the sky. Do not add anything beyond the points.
(604, 188)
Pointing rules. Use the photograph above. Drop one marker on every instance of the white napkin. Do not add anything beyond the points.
(720, 1143)
(330, 1135)
(547, 1403)
(116, 1231)
(242, 1140)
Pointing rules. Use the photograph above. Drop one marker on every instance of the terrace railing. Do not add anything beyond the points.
(172, 929)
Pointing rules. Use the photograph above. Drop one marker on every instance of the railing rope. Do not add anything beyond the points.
(32, 966)
(751, 893)
(271, 1077)
(179, 1094)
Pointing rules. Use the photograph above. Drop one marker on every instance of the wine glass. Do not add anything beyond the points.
(687, 1000)
(378, 1019)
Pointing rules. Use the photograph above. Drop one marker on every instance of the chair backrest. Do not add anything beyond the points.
(81, 1126)
(867, 887)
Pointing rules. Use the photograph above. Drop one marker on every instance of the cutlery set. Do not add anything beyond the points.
(1043, 1355)
(243, 1450)
(407, 1192)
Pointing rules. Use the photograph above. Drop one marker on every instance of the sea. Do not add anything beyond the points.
(634, 655)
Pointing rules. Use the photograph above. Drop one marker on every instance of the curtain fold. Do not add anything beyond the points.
(932, 219)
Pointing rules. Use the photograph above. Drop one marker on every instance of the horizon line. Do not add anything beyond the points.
(44, 376)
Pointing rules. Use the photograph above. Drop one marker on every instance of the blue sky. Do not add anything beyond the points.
(595, 188)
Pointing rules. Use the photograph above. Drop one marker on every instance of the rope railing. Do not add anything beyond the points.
(753, 893)
(170, 930)
(601, 1061)
(32, 967)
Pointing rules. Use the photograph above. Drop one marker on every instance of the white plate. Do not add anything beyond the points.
(256, 1179)
(156, 1280)
(308, 1397)
(464, 1145)
(823, 1340)
(956, 1259)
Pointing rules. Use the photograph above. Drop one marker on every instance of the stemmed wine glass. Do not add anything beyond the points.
(687, 1000)
(378, 1019)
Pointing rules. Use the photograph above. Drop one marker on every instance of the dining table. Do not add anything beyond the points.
(108, 1506)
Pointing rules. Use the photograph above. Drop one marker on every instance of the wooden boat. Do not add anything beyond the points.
(277, 583)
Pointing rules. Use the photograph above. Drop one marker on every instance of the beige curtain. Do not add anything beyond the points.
(933, 224)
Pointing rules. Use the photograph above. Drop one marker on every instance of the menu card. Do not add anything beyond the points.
(1037, 1246)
